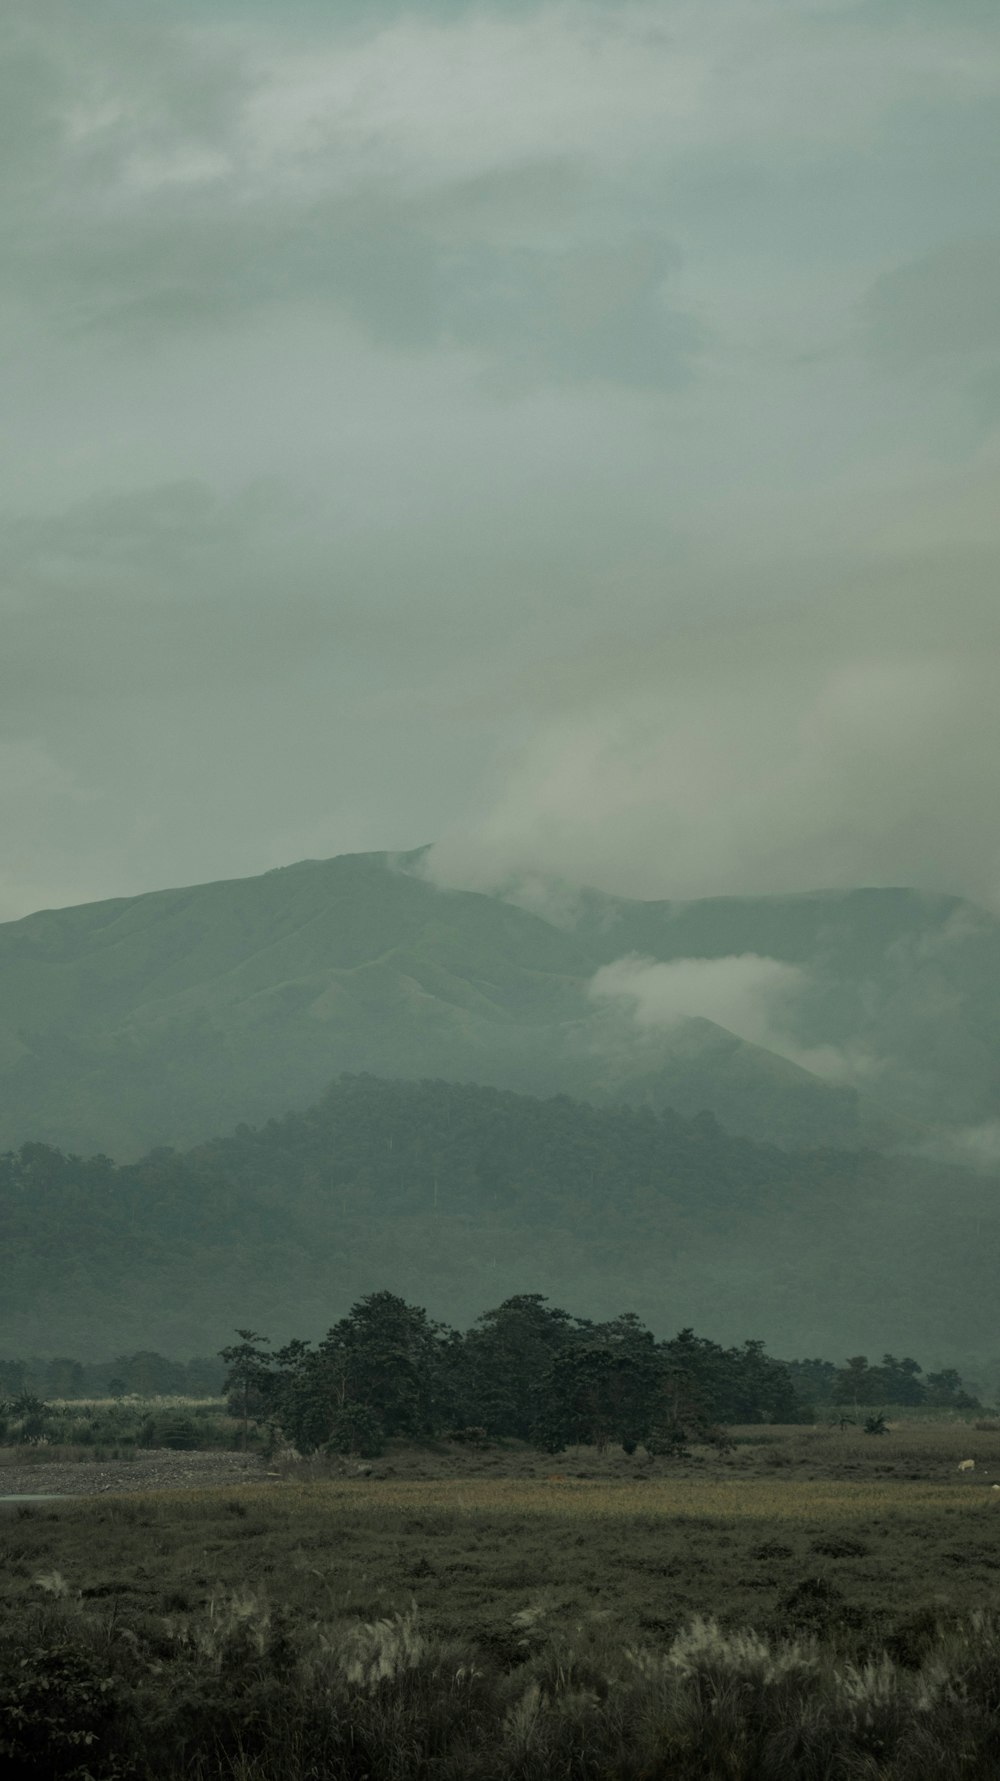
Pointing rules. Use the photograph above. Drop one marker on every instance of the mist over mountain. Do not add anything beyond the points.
(848, 1018)
(894, 991)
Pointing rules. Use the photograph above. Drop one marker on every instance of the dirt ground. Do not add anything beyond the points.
(917, 1452)
(914, 1452)
(155, 1469)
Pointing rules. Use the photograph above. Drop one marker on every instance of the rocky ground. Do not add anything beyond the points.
(155, 1469)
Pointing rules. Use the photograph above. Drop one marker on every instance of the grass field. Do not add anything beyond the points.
(888, 1526)
(511, 1567)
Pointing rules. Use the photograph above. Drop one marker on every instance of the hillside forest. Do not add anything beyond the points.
(459, 1196)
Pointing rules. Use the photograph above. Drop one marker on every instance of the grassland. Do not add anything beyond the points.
(887, 1525)
(865, 1555)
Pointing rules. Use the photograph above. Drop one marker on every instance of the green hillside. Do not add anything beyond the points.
(458, 1197)
(162, 1018)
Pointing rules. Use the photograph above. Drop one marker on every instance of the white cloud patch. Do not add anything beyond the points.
(749, 995)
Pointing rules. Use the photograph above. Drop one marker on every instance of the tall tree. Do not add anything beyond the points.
(507, 1355)
(247, 1368)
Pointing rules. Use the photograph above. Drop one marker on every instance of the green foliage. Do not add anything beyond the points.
(177, 1432)
(13, 1377)
(355, 1428)
(116, 1427)
(385, 1358)
(273, 1633)
(25, 1417)
(466, 1194)
(505, 1357)
(813, 1380)
(526, 1371)
(246, 1372)
(898, 1382)
(58, 1705)
(182, 1429)
(144, 1374)
(595, 1396)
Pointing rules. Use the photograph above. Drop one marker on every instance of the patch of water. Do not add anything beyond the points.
(36, 1496)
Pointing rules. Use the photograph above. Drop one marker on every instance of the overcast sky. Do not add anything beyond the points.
(570, 432)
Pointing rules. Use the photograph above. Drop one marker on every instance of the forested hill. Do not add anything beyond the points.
(458, 1197)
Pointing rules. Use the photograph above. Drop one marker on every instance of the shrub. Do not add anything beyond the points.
(357, 1430)
(178, 1432)
(57, 1708)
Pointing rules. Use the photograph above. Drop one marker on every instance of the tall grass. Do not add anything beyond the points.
(242, 1691)
(92, 1428)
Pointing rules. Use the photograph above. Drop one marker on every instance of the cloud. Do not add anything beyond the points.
(204, 188)
(747, 994)
(855, 743)
(607, 81)
(972, 1147)
(185, 176)
(507, 422)
(755, 997)
(135, 594)
(945, 305)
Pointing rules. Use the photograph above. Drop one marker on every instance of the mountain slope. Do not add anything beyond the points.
(158, 1019)
(904, 984)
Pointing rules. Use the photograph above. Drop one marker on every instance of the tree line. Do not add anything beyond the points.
(896, 1381)
(527, 1370)
(144, 1374)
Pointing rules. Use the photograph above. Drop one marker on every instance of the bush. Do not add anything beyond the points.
(667, 1441)
(57, 1708)
(357, 1430)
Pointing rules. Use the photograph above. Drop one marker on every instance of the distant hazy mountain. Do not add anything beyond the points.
(904, 984)
(162, 1018)
(458, 1197)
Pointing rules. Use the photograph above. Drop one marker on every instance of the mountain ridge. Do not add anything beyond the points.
(160, 1018)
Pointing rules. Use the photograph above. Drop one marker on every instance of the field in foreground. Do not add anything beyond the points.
(479, 1624)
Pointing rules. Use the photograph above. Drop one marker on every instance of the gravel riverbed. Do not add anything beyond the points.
(153, 1469)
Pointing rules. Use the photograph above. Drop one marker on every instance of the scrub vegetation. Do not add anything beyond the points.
(33, 1432)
